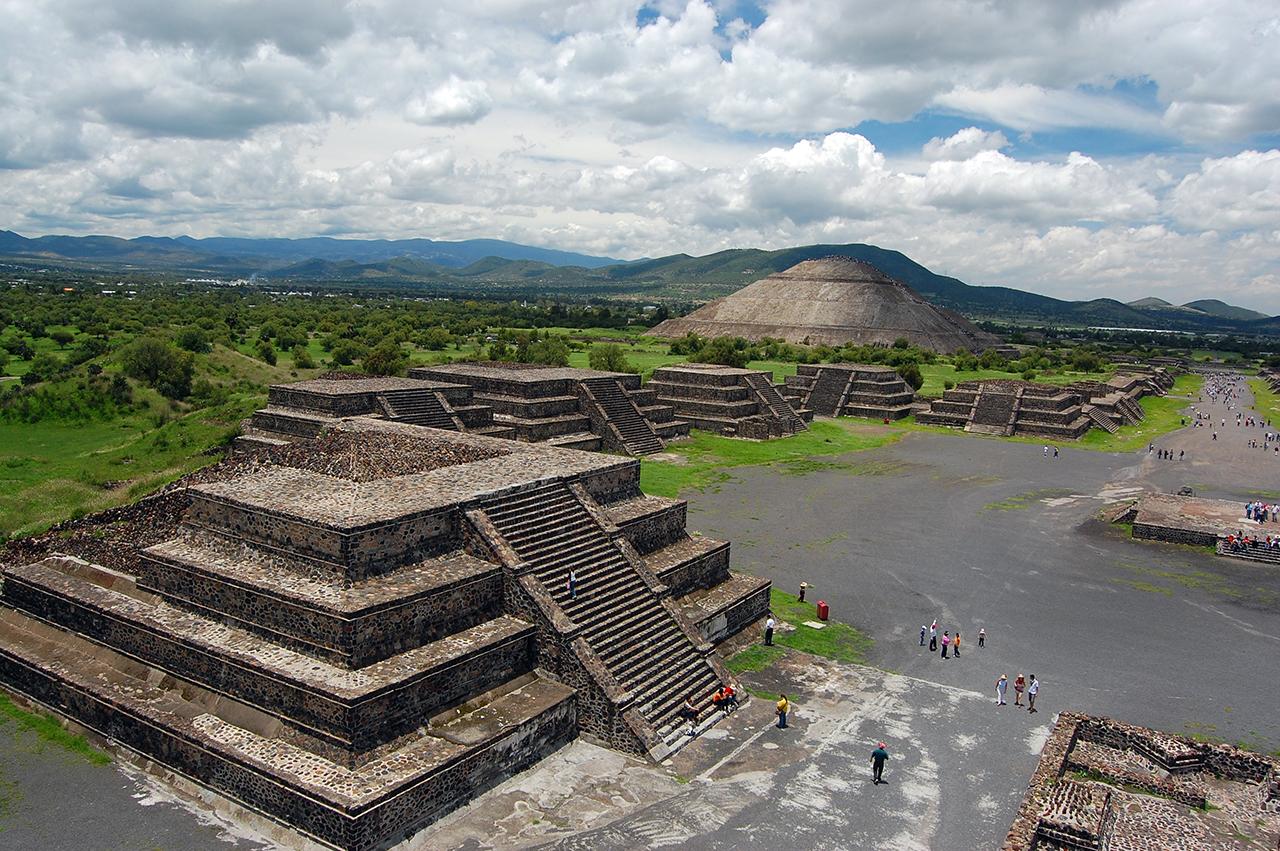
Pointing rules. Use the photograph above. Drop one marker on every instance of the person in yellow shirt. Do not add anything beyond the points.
(784, 706)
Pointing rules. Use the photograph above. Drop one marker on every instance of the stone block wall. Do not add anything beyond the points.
(659, 529)
(735, 617)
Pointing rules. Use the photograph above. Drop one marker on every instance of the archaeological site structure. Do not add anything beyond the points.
(356, 633)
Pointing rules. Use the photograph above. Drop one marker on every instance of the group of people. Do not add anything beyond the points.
(725, 700)
(1226, 389)
(1020, 685)
(1261, 512)
(1240, 542)
(948, 643)
(1165, 454)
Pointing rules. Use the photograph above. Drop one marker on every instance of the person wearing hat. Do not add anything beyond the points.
(1002, 688)
(804, 586)
(878, 757)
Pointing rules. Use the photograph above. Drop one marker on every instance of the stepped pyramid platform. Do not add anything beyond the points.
(564, 406)
(305, 408)
(727, 400)
(358, 633)
(849, 390)
(1007, 407)
(1116, 401)
(831, 301)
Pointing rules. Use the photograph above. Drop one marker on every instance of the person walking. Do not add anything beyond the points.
(573, 584)
(878, 757)
(782, 708)
(946, 642)
(1019, 684)
(1032, 690)
(982, 637)
(1002, 688)
(933, 638)
(768, 631)
(1055, 452)
(955, 646)
(923, 630)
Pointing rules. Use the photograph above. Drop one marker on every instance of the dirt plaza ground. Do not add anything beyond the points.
(974, 532)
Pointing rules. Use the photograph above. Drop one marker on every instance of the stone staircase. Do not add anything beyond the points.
(771, 400)
(828, 392)
(1263, 554)
(993, 413)
(1132, 408)
(1100, 419)
(418, 407)
(635, 432)
(621, 616)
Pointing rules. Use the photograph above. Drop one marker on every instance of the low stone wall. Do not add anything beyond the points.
(650, 532)
(704, 571)
(1169, 534)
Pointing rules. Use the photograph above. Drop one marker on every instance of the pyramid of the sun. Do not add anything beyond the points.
(831, 301)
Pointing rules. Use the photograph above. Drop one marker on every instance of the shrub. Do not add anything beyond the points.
(266, 351)
(194, 340)
(160, 364)
(609, 357)
(386, 358)
(302, 358)
(911, 374)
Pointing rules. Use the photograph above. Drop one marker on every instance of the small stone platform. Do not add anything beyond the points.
(727, 400)
(304, 409)
(357, 633)
(1103, 784)
(1188, 519)
(849, 390)
(573, 408)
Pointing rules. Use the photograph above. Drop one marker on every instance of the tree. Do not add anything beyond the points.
(386, 358)
(609, 357)
(902, 343)
(194, 340)
(346, 352)
(266, 351)
(553, 351)
(160, 364)
(911, 374)
(723, 350)
(302, 358)
(62, 337)
(88, 349)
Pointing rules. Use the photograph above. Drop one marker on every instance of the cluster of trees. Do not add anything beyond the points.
(736, 351)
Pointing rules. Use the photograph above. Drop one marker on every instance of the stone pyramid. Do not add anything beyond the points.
(834, 300)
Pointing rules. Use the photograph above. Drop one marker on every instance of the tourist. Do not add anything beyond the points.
(982, 637)
(955, 645)
(768, 631)
(1002, 688)
(878, 757)
(1181, 454)
(804, 586)
(1032, 690)
(1046, 451)
(728, 699)
(1055, 452)
(946, 642)
(573, 584)
(923, 630)
(933, 637)
(1019, 685)
(782, 708)
(689, 713)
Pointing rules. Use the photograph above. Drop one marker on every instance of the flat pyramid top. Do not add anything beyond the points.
(834, 269)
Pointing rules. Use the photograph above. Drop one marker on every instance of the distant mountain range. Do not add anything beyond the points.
(496, 268)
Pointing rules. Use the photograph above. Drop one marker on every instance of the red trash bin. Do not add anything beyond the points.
(823, 610)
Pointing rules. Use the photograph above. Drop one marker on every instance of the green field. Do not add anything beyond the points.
(838, 641)
(705, 458)
(1265, 400)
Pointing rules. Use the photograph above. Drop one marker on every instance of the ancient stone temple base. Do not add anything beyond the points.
(357, 633)
(727, 400)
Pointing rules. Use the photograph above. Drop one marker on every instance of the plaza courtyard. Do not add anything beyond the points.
(975, 532)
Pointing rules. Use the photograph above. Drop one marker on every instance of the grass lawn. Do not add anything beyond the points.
(837, 641)
(1265, 400)
(704, 459)
(50, 472)
(49, 730)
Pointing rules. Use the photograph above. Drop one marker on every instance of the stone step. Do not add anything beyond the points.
(555, 516)
(238, 753)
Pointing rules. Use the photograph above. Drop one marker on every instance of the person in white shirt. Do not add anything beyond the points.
(1032, 690)
(768, 630)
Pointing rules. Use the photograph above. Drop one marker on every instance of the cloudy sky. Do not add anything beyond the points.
(1081, 149)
